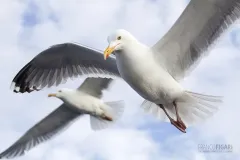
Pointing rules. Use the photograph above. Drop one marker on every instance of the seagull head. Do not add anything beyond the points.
(118, 40)
(64, 92)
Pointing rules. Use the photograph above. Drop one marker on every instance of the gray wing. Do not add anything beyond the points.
(95, 86)
(42, 131)
(59, 62)
(200, 24)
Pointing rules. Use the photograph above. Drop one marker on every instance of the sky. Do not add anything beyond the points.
(30, 26)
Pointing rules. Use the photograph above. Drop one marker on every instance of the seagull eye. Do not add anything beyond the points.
(119, 38)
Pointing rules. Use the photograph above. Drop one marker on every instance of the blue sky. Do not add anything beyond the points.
(28, 27)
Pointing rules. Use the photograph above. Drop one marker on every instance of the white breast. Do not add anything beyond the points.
(139, 69)
(84, 102)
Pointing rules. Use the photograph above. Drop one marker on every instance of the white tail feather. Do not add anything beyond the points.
(113, 109)
(152, 108)
(193, 108)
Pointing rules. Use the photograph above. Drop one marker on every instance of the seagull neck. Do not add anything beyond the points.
(64, 99)
(67, 97)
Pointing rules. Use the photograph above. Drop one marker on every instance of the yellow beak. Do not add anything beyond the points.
(52, 95)
(108, 51)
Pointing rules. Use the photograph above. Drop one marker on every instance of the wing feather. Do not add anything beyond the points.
(46, 129)
(95, 86)
(198, 27)
(60, 62)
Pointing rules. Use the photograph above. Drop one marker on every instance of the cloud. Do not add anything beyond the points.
(28, 27)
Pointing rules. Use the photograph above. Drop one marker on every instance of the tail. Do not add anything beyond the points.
(113, 109)
(193, 108)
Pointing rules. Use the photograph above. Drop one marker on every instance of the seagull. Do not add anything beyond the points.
(84, 100)
(153, 72)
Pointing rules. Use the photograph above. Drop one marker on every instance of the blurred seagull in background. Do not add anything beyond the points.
(84, 100)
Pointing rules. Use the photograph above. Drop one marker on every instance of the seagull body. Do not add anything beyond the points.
(153, 72)
(83, 103)
(84, 100)
(80, 101)
(137, 66)
(87, 104)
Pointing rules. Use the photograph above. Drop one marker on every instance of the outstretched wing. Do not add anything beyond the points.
(200, 24)
(41, 132)
(95, 86)
(59, 62)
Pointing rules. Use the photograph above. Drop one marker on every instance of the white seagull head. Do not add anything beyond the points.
(64, 92)
(118, 41)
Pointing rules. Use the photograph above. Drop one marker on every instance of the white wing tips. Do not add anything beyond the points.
(13, 87)
(114, 110)
(17, 89)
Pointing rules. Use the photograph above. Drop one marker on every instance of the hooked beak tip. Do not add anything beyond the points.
(105, 57)
(107, 52)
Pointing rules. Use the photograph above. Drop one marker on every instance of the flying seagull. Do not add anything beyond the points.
(153, 72)
(84, 100)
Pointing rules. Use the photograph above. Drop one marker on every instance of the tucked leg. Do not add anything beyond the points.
(179, 120)
(105, 116)
(173, 122)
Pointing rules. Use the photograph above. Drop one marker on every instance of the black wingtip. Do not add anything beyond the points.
(25, 89)
(19, 84)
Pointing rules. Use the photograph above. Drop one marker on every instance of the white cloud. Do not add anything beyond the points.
(89, 22)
